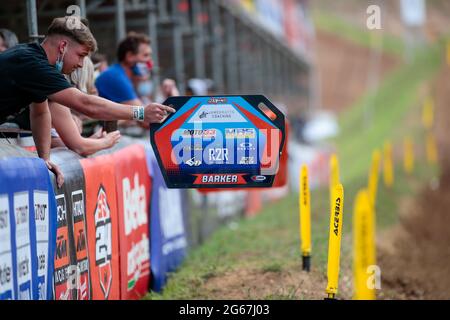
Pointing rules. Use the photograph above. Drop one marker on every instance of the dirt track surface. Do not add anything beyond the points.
(343, 70)
(256, 284)
(415, 256)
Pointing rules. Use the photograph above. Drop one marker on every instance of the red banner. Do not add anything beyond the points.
(133, 198)
(102, 227)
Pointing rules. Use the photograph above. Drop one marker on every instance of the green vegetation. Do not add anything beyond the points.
(361, 36)
(398, 96)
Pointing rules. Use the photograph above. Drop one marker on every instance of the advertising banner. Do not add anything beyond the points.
(27, 229)
(65, 271)
(133, 200)
(72, 274)
(102, 227)
(167, 230)
(7, 290)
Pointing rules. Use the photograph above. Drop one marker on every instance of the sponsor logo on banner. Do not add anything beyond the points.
(218, 154)
(135, 204)
(6, 266)
(61, 278)
(217, 114)
(135, 216)
(258, 178)
(4, 214)
(138, 262)
(240, 133)
(41, 217)
(246, 146)
(193, 162)
(217, 100)
(199, 133)
(337, 211)
(219, 179)
(79, 230)
(22, 214)
(103, 244)
(247, 160)
(194, 148)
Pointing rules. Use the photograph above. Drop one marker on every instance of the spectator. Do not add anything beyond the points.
(83, 78)
(134, 55)
(169, 88)
(116, 83)
(8, 39)
(100, 63)
(144, 90)
(69, 127)
(31, 73)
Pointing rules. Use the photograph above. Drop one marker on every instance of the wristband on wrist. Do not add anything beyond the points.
(138, 113)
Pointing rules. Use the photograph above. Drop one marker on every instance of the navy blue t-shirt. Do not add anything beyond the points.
(25, 77)
(113, 84)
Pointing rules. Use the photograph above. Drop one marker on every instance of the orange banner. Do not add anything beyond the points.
(102, 227)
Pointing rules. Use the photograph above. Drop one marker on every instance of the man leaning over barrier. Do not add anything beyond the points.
(32, 73)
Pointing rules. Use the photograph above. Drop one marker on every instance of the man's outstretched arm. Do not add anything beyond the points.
(41, 123)
(103, 109)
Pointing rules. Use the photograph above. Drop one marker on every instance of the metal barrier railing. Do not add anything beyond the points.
(203, 39)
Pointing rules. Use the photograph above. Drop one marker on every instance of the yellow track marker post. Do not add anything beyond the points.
(334, 242)
(432, 154)
(373, 176)
(408, 155)
(305, 218)
(388, 165)
(448, 53)
(334, 175)
(428, 113)
(364, 250)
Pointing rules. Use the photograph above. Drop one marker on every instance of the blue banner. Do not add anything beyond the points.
(27, 229)
(167, 229)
